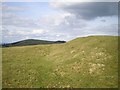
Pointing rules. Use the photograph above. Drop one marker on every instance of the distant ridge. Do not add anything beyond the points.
(28, 42)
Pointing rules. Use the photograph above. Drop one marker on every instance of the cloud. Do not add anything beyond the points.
(76, 1)
(13, 33)
(11, 17)
(12, 30)
(30, 32)
(89, 10)
(98, 27)
(88, 18)
(6, 8)
(16, 26)
(16, 20)
(24, 1)
(71, 20)
(53, 20)
(39, 31)
(60, 0)
(72, 27)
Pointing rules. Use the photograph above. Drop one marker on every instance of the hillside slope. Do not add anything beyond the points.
(89, 62)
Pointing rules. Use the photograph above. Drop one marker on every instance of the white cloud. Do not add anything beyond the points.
(16, 20)
(59, 4)
(25, 31)
(6, 8)
(38, 31)
(54, 20)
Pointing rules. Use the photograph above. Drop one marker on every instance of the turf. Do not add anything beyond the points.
(88, 62)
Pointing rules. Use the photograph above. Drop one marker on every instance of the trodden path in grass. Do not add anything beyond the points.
(89, 62)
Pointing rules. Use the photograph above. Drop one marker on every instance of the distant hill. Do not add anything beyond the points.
(31, 42)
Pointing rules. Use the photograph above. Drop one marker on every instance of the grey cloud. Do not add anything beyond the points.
(90, 10)
(103, 20)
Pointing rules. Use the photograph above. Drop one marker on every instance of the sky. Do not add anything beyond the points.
(52, 20)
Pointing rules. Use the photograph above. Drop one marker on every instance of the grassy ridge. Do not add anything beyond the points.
(84, 62)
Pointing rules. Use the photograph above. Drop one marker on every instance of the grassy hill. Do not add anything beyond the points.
(31, 42)
(89, 62)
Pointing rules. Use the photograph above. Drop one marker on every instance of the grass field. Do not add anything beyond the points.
(88, 62)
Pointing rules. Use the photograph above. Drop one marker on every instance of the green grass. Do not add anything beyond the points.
(89, 62)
